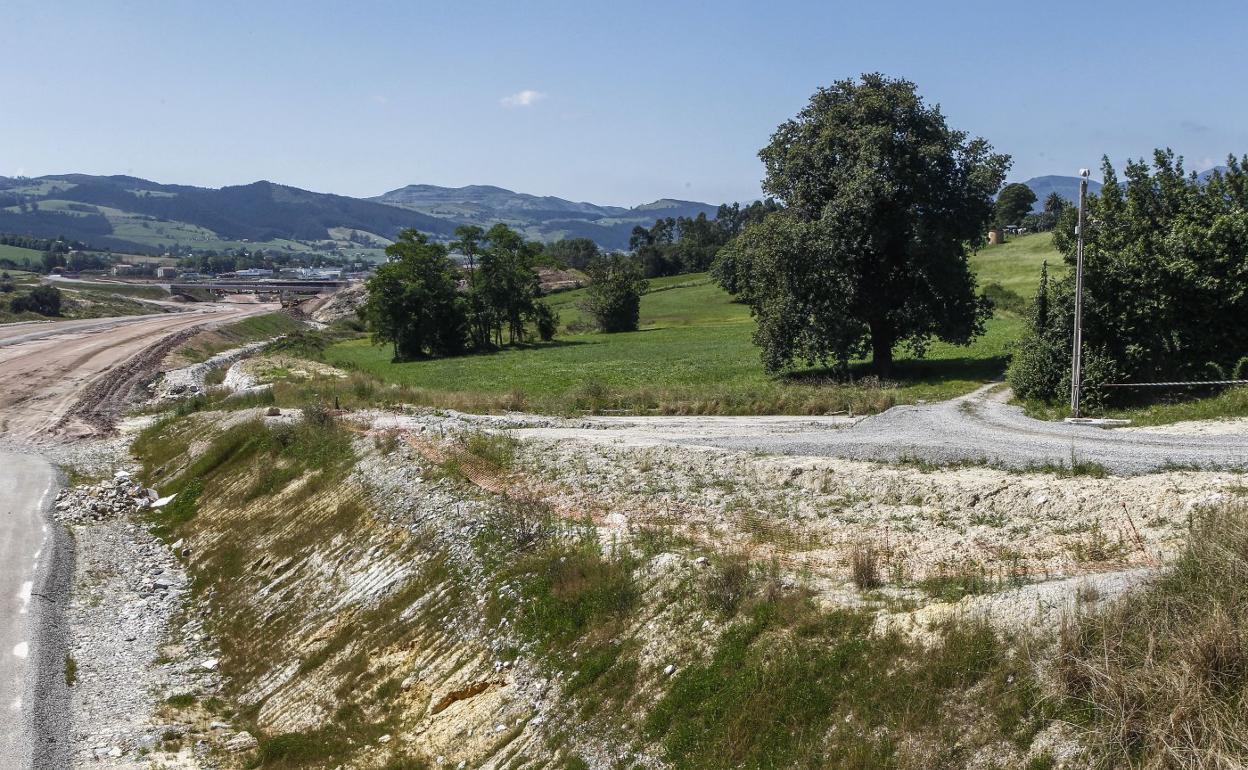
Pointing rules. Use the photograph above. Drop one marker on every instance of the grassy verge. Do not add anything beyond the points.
(796, 686)
(139, 291)
(77, 302)
(1176, 407)
(694, 357)
(205, 345)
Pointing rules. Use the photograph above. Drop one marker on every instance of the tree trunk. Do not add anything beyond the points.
(882, 348)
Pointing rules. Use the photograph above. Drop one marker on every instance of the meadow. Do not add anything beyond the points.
(693, 355)
(20, 256)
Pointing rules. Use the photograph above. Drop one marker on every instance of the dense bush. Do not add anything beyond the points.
(44, 300)
(614, 294)
(1165, 265)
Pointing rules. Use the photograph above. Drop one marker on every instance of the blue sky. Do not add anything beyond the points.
(607, 102)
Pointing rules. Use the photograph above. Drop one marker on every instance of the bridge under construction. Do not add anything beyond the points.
(288, 292)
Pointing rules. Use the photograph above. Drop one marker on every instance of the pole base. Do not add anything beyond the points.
(1096, 422)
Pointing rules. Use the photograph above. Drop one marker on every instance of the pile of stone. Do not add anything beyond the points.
(118, 496)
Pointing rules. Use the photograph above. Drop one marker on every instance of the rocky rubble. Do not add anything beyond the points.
(189, 380)
(133, 643)
(119, 496)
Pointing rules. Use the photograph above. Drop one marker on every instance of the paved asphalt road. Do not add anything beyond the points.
(978, 427)
(34, 568)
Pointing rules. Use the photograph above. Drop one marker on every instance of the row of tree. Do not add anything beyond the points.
(58, 245)
(424, 303)
(672, 246)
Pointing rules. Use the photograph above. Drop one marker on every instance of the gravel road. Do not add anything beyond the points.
(979, 427)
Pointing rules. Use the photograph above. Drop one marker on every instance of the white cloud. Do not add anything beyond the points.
(525, 98)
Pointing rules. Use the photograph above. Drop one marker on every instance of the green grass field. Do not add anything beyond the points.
(694, 354)
(139, 291)
(1016, 263)
(21, 256)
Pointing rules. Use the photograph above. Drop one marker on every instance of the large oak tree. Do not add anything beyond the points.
(882, 203)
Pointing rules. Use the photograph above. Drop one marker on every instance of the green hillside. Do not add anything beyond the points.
(693, 354)
(19, 255)
(127, 213)
(131, 214)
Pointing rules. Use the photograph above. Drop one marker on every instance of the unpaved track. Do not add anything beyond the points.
(47, 368)
(978, 427)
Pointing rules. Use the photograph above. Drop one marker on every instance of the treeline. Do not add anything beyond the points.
(230, 260)
(424, 303)
(74, 262)
(1165, 265)
(672, 246)
(58, 244)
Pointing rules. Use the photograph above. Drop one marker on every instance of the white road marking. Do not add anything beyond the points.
(24, 595)
(21, 649)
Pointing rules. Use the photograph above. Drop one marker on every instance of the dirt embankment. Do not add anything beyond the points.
(390, 609)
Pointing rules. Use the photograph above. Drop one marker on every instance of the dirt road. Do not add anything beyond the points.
(61, 379)
(979, 427)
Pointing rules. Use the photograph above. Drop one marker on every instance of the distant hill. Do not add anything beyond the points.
(132, 214)
(545, 218)
(1204, 175)
(1065, 186)
(127, 213)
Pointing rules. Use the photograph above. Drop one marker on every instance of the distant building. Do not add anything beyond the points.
(166, 271)
(122, 269)
(254, 272)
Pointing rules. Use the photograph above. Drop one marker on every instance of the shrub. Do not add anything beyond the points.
(44, 300)
(1004, 299)
(614, 294)
(864, 565)
(1161, 279)
(547, 321)
(731, 582)
(1241, 369)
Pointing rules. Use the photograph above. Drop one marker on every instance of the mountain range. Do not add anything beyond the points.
(130, 214)
(127, 213)
(544, 218)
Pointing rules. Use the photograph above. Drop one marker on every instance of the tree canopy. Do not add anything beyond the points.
(425, 304)
(1165, 271)
(672, 246)
(882, 201)
(413, 302)
(1014, 202)
(613, 298)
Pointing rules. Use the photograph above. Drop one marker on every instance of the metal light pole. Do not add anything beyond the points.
(1076, 356)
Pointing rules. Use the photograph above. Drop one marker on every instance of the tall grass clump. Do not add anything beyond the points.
(1161, 675)
(793, 685)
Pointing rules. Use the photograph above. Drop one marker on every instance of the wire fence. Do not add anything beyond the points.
(1172, 384)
